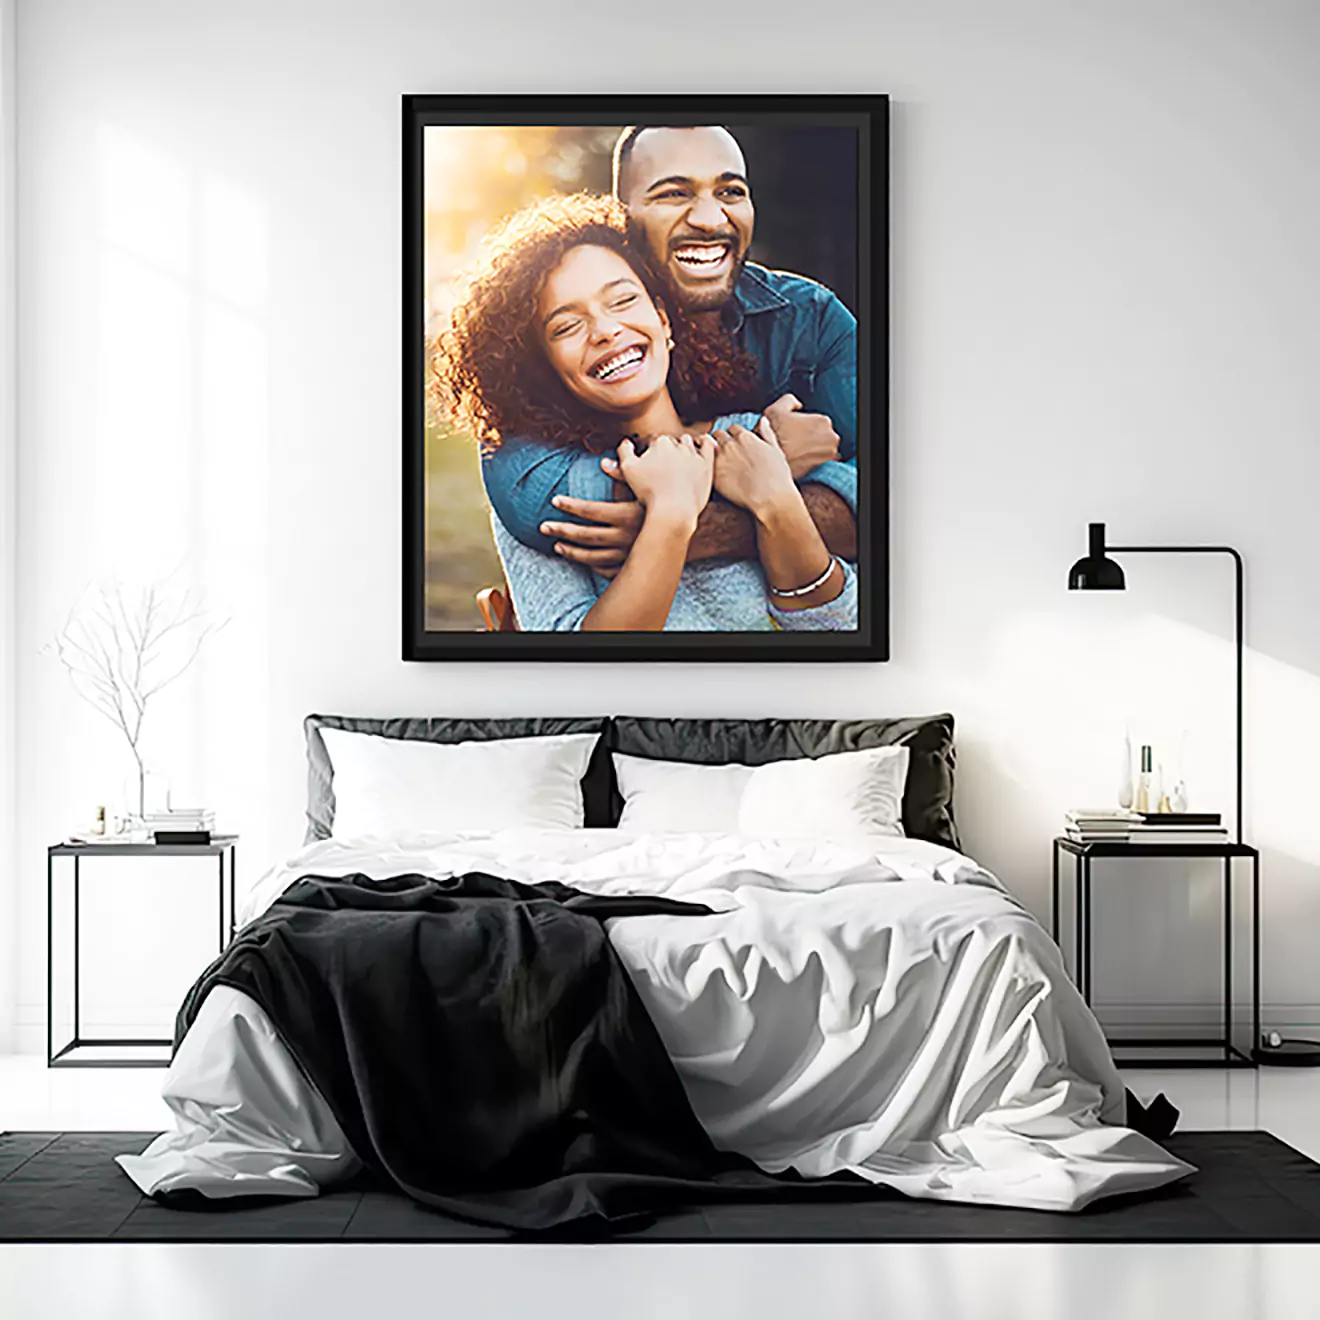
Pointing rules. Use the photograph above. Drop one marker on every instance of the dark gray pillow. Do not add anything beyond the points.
(927, 796)
(597, 782)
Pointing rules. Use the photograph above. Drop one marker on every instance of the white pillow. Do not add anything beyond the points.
(400, 786)
(841, 795)
(663, 797)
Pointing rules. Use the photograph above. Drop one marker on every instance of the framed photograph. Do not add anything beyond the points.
(645, 378)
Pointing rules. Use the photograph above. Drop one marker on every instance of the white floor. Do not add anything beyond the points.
(1016, 1282)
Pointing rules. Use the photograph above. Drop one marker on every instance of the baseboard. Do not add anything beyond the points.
(1203, 1019)
(131, 1022)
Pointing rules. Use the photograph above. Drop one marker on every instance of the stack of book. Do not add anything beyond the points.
(1097, 825)
(1102, 826)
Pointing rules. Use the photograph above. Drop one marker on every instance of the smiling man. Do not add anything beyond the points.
(690, 202)
(686, 190)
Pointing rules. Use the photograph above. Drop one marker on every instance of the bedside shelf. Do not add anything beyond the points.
(154, 1053)
(219, 843)
(1135, 848)
(79, 1051)
(1154, 1052)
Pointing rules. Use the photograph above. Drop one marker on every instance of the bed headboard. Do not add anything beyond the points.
(927, 798)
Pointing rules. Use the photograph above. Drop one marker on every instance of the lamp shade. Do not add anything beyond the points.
(1095, 571)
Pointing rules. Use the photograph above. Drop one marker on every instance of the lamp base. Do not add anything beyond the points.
(1288, 1053)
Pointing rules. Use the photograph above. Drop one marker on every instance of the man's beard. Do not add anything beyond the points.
(705, 300)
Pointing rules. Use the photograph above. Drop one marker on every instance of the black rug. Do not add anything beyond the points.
(1250, 1187)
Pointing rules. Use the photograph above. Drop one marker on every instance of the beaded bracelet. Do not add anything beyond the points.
(810, 587)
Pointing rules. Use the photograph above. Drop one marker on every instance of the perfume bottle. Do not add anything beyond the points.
(1143, 780)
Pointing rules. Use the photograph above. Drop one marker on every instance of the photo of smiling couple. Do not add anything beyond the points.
(666, 429)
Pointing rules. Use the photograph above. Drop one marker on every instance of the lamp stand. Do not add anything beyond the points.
(1098, 571)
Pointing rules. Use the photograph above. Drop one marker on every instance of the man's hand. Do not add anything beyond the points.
(807, 439)
(604, 545)
(750, 469)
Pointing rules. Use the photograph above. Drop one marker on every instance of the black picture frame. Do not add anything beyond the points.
(869, 114)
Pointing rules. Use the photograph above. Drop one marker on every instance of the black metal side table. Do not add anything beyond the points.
(1213, 1053)
(99, 1052)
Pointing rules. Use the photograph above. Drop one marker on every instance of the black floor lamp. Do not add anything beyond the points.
(1095, 571)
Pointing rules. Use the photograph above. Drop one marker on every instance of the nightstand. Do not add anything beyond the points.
(91, 1052)
(1196, 1052)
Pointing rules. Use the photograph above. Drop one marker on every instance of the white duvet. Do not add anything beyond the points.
(883, 1007)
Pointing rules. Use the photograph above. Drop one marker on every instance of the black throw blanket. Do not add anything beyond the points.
(483, 1048)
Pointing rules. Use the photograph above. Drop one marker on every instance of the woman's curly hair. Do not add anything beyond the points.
(490, 370)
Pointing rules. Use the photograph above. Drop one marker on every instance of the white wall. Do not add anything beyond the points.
(1104, 288)
(8, 530)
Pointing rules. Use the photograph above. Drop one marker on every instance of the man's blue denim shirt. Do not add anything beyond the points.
(805, 343)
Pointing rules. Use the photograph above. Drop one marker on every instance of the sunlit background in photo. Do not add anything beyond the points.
(804, 184)
(474, 177)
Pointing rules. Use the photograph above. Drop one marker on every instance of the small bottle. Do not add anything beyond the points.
(1143, 780)
(98, 821)
(1178, 798)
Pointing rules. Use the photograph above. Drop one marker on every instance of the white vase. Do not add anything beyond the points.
(1125, 783)
(156, 789)
(149, 792)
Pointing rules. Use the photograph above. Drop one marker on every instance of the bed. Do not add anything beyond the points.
(837, 1003)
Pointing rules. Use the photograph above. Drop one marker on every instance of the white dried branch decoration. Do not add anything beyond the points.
(122, 647)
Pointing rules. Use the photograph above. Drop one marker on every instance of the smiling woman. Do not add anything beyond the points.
(670, 431)
(608, 340)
